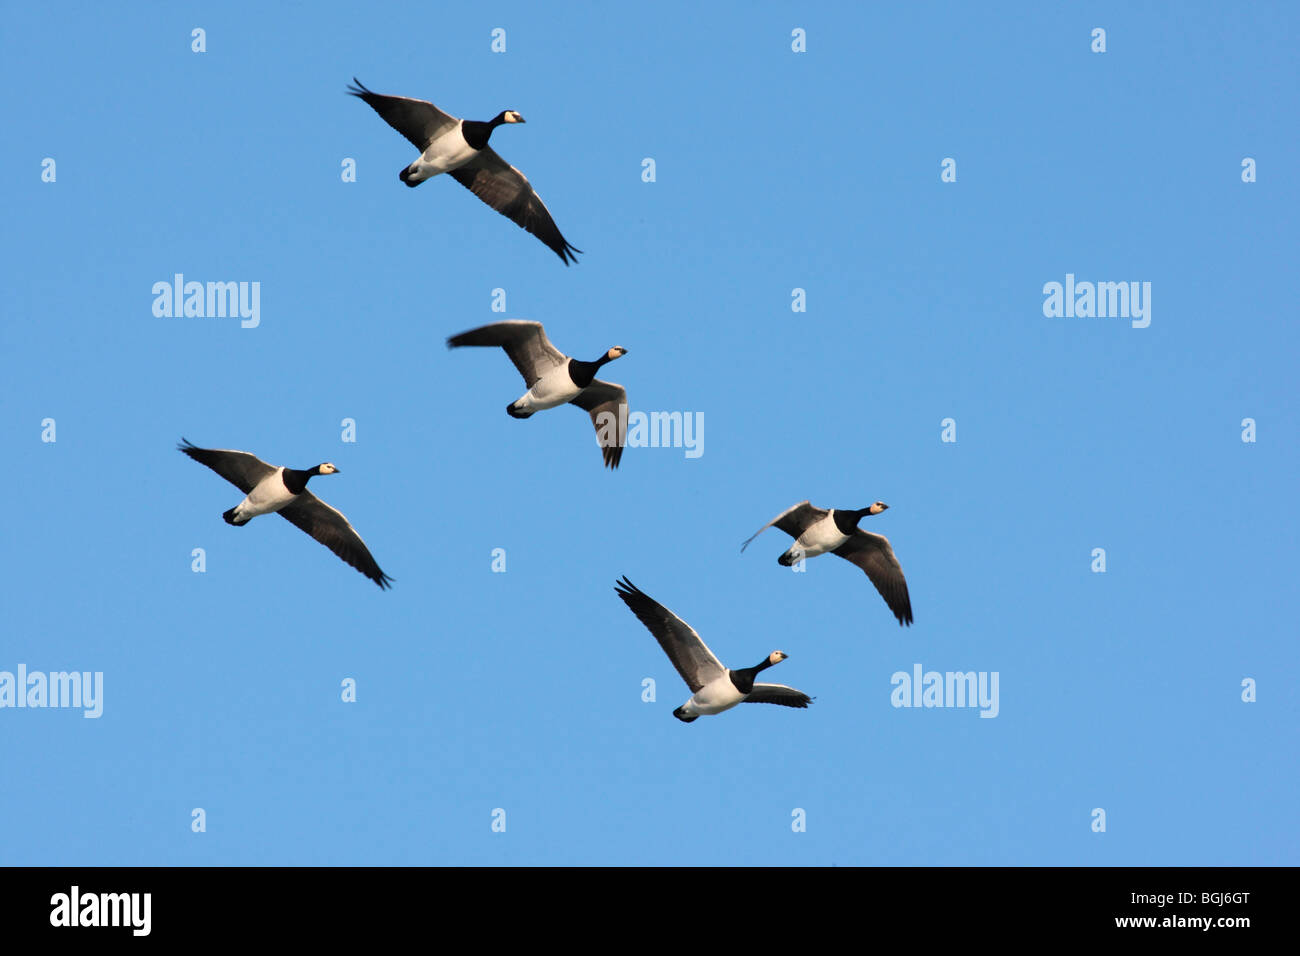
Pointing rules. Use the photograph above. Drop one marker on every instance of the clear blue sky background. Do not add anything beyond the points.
(522, 690)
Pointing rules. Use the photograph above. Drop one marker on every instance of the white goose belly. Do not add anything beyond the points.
(553, 389)
(449, 151)
(820, 537)
(714, 697)
(268, 496)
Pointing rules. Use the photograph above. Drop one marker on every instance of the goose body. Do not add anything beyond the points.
(821, 536)
(270, 489)
(268, 496)
(278, 489)
(818, 531)
(554, 379)
(713, 698)
(714, 688)
(555, 388)
(460, 147)
(447, 151)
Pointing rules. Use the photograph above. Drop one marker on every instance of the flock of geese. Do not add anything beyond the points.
(460, 148)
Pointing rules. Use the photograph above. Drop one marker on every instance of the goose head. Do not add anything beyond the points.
(326, 468)
(616, 352)
(875, 508)
(507, 116)
(776, 657)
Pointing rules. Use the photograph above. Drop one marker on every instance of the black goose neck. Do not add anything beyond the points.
(743, 679)
(847, 521)
(296, 481)
(477, 133)
(582, 373)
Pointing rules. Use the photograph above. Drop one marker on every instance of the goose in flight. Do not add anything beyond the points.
(714, 688)
(460, 147)
(817, 531)
(270, 488)
(554, 379)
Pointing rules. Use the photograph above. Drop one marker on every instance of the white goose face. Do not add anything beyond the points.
(328, 468)
(616, 352)
(513, 117)
(776, 657)
(876, 508)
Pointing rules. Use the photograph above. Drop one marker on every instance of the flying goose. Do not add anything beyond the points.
(714, 688)
(270, 488)
(554, 379)
(817, 531)
(460, 147)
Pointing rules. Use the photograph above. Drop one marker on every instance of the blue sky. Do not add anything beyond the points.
(775, 171)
